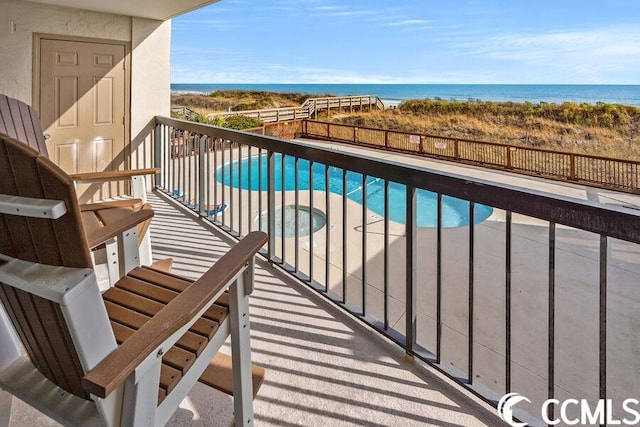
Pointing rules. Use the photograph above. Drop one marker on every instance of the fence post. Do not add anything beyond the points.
(456, 149)
(572, 166)
(386, 139)
(508, 157)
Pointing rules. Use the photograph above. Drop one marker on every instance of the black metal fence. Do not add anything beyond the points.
(501, 288)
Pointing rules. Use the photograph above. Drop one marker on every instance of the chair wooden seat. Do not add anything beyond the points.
(137, 297)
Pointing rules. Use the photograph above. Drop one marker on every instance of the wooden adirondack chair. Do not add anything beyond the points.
(21, 122)
(127, 356)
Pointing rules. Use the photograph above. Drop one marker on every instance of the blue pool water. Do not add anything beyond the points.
(455, 212)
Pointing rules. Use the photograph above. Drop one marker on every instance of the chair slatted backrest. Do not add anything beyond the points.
(39, 322)
(19, 121)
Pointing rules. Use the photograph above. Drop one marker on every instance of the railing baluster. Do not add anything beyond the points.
(239, 190)
(282, 207)
(310, 222)
(296, 220)
(208, 176)
(386, 254)
(345, 275)
(411, 251)
(250, 187)
(327, 247)
(201, 203)
(508, 304)
(439, 281)
(158, 147)
(231, 186)
(260, 191)
(551, 334)
(603, 319)
(224, 178)
(471, 291)
(271, 204)
(215, 174)
(364, 244)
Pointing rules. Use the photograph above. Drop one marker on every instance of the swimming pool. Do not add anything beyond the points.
(455, 212)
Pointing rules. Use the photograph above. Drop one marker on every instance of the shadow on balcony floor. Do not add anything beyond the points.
(323, 368)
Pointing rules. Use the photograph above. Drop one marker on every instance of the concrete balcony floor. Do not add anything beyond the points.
(323, 367)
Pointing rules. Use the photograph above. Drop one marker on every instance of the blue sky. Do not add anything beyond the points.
(409, 41)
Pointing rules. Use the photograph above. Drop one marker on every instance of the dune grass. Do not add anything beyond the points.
(600, 129)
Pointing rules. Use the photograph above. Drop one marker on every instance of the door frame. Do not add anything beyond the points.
(35, 78)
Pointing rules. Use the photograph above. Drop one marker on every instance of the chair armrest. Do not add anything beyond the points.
(113, 175)
(112, 230)
(124, 203)
(182, 310)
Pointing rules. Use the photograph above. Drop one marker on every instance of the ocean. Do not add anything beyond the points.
(395, 93)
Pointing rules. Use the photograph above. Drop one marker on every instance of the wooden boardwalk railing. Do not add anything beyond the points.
(604, 172)
(309, 109)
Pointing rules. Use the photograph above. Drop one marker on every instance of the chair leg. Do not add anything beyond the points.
(5, 408)
(241, 350)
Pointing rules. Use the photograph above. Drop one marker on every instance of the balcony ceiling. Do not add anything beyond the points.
(152, 9)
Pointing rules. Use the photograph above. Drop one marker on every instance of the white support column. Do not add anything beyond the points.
(241, 350)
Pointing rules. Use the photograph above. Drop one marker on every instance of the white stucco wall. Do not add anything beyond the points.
(150, 84)
(150, 55)
(19, 20)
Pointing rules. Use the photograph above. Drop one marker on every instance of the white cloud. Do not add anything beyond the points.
(408, 22)
(275, 73)
(591, 56)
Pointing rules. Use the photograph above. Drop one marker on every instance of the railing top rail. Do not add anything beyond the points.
(301, 108)
(371, 97)
(614, 221)
(262, 111)
(496, 144)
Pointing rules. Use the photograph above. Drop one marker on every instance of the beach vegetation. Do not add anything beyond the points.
(237, 122)
(603, 129)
